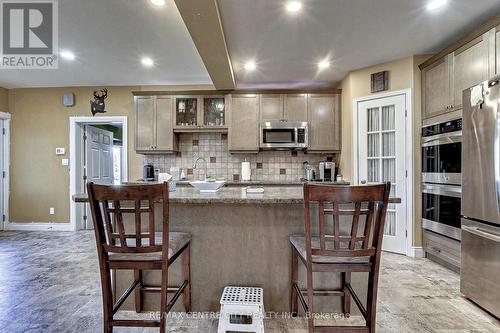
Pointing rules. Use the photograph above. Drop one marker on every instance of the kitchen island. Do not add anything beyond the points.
(238, 239)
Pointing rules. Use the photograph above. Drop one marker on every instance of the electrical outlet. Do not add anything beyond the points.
(52, 210)
(65, 161)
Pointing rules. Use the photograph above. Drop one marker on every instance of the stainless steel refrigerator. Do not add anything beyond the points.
(480, 249)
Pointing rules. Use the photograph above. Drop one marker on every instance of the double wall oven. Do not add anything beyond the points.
(442, 176)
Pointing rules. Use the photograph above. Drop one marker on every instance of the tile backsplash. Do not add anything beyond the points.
(280, 166)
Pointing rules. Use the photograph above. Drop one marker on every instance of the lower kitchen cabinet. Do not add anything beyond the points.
(243, 123)
(444, 250)
(324, 123)
(154, 125)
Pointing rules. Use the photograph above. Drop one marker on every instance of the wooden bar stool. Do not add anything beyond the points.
(137, 247)
(338, 251)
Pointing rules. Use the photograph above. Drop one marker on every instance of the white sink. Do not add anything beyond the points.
(208, 186)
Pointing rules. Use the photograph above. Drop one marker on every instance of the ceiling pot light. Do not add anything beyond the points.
(250, 66)
(148, 62)
(293, 6)
(158, 3)
(67, 55)
(436, 4)
(324, 64)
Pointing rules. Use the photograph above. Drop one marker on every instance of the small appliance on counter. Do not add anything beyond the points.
(327, 171)
(148, 173)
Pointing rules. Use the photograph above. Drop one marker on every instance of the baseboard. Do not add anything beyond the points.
(38, 226)
(416, 252)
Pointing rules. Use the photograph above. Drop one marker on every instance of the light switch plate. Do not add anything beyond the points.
(52, 210)
(60, 151)
(65, 161)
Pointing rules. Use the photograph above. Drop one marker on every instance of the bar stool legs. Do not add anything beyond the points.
(187, 277)
(138, 292)
(294, 297)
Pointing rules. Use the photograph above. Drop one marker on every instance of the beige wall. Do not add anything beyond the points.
(4, 100)
(40, 123)
(403, 74)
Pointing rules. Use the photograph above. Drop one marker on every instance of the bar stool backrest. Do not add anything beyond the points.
(109, 203)
(360, 210)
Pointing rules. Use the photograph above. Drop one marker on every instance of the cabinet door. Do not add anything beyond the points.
(271, 107)
(436, 88)
(243, 116)
(296, 107)
(164, 124)
(470, 67)
(324, 123)
(144, 123)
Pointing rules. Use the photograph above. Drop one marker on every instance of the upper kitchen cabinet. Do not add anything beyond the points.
(243, 123)
(271, 107)
(470, 67)
(154, 125)
(283, 107)
(295, 107)
(324, 123)
(214, 111)
(200, 113)
(436, 88)
(186, 111)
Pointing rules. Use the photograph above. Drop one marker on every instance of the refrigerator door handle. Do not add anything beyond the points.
(481, 233)
(496, 158)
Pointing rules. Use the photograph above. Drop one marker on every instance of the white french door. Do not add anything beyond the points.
(381, 157)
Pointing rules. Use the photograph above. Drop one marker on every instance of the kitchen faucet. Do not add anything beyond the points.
(195, 164)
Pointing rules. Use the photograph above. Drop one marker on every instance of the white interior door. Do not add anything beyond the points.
(98, 160)
(381, 157)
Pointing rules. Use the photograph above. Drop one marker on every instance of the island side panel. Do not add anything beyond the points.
(239, 244)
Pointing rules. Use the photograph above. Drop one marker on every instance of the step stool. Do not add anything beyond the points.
(242, 301)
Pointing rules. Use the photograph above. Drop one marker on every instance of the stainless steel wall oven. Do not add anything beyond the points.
(442, 153)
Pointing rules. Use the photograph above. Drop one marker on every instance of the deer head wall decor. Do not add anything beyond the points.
(97, 105)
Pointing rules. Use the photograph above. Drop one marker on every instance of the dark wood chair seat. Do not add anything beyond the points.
(299, 243)
(177, 241)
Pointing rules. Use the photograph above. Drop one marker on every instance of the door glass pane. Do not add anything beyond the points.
(373, 119)
(373, 145)
(373, 171)
(186, 111)
(390, 224)
(389, 170)
(388, 117)
(388, 144)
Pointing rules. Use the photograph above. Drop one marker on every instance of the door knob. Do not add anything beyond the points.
(363, 181)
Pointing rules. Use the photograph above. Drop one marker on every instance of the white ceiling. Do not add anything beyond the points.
(353, 33)
(109, 37)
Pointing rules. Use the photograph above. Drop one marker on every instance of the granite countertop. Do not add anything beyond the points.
(235, 195)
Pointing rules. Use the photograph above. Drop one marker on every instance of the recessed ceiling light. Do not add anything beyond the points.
(250, 66)
(67, 55)
(293, 6)
(323, 64)
(148, 62)
(436, 4)
(158, 3)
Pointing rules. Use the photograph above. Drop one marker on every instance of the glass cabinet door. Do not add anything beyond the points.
(214, 111)
(186, 111)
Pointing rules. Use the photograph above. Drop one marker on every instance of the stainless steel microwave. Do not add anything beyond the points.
(284, 135)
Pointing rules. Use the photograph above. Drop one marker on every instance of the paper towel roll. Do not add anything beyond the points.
(245, 171)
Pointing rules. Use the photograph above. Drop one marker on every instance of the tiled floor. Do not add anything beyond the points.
(49, 283)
